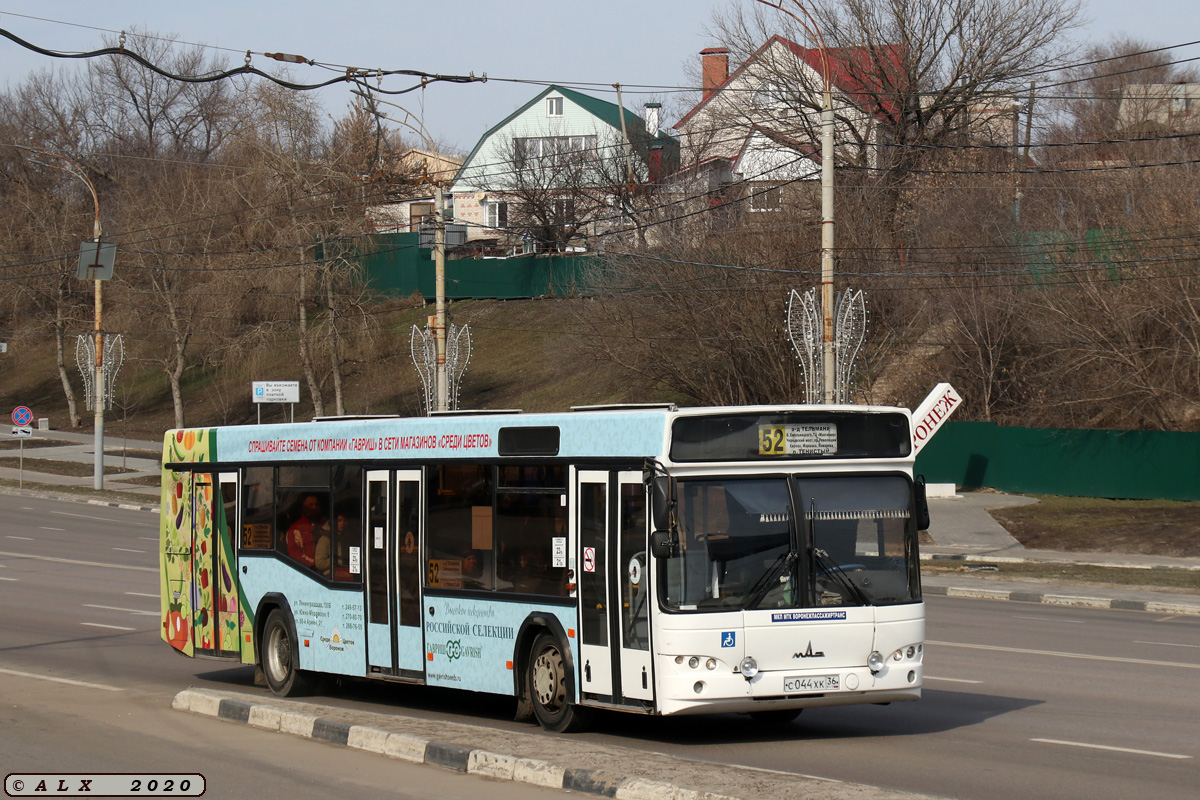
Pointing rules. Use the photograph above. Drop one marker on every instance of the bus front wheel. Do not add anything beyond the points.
(281, 658)
(547, 676)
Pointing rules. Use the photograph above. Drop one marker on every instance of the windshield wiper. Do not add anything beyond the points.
(831, 567)
(765, 583)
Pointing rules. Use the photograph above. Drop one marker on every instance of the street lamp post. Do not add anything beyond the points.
(98, 388)
(827, 127)
(441, 394)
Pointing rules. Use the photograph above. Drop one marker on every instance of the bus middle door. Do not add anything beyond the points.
(395, 645)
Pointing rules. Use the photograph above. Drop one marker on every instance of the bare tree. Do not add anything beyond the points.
(929, 72)
(1089, 107)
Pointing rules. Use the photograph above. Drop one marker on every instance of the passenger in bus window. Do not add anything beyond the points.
(301, 541)
(321, 552)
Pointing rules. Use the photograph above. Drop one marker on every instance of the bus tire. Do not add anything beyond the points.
(281, 658)
(547, 686)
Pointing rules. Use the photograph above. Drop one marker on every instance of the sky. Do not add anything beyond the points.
(641, 44)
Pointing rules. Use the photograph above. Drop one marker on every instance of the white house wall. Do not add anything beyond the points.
(763, 159)
(720, 127)
(485, 174)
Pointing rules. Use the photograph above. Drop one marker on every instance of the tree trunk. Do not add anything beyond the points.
(335, 348)
(310, 376)
(60, 358)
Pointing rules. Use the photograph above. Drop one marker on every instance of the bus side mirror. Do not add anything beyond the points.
(660, 503)
(661, 545)
(921, 503)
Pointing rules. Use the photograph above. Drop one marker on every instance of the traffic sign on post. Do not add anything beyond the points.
(22, 416)
(19, 432)
(96, 260)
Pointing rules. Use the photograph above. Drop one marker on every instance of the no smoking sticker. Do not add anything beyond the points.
(589, 559)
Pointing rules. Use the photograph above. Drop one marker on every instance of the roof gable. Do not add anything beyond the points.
(606, 112)
(854, 72)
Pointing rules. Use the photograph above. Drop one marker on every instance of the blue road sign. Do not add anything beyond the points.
(22, 416)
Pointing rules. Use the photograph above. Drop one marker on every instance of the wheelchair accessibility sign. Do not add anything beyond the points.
(729, 639)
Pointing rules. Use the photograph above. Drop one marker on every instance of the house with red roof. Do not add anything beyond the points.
(758, 126)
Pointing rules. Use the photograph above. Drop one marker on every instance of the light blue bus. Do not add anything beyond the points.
(645, 559)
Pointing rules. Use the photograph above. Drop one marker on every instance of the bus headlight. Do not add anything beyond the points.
(749, 667)
(875, 661)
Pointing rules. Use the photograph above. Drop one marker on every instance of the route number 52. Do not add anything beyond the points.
(771, 440)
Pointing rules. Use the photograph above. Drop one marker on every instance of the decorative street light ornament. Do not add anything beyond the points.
(849, 332)
(85, 359)
(423, 346)
(804, 332)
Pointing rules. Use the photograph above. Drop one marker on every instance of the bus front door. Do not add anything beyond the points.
(614, 601)
(393, 587)
(216, 624)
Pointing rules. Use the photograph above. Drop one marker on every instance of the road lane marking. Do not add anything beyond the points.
(1058, 654)
(142, 594)
(115, 608)
(88, 516)
(1170, 644)
(127, 550)
(67, 681)
(1109, 747)
(951, 680)
(25, 538)
(60, 530)
(148, 538)
(1052, 619)
(10, 579)
(111, 627)
(80, 563)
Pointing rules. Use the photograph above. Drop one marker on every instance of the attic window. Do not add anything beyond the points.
(554, 106)
(770, 95)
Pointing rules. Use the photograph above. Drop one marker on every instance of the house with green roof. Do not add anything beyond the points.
(558, 171)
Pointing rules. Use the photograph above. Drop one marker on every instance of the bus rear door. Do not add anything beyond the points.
(216, 625)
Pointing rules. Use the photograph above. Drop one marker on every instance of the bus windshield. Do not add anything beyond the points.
(740, 546)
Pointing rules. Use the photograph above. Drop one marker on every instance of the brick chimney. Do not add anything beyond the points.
(652, 112)
(715, 65)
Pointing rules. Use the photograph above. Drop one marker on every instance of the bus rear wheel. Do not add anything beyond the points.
(547, 686)
(281, 657)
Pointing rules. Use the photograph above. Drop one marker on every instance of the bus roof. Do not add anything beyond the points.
(633, 432)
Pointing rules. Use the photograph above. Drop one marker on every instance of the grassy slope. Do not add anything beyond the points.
(524, 355)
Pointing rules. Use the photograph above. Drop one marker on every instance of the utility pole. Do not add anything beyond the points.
(827, 240)
(439, 258)
(98, 393)
(98, 420)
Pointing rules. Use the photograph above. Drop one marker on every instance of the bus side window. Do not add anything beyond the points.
(258, 508)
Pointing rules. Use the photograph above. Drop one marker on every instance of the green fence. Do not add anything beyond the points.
(1080, 463)
(395, 263)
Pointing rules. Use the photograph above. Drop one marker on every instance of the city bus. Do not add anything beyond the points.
(645, 559)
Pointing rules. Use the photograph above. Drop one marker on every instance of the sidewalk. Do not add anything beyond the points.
(963, 531)
(81, 449)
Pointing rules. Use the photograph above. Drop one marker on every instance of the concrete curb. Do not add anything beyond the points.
(70, 499)
(1081, 562)
(420, 750)
(1079, 601)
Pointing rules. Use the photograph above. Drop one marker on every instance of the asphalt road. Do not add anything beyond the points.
(1021, 700)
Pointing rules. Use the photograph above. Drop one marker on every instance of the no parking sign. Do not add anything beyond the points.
(22, 416)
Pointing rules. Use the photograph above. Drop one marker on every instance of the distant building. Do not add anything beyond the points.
(546, 175)
(1150, 108)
